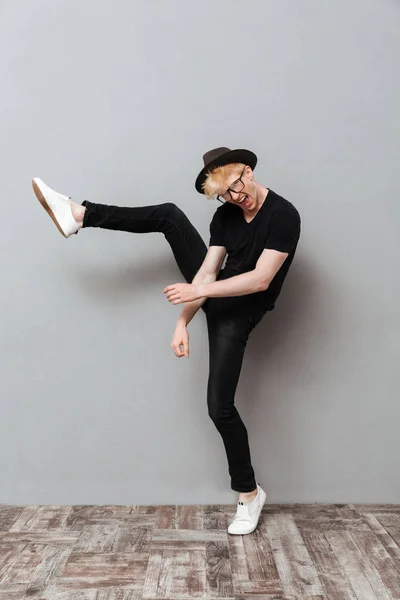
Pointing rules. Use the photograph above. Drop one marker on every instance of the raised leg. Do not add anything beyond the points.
(185, 241)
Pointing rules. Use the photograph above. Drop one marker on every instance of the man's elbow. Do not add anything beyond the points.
(262, 284)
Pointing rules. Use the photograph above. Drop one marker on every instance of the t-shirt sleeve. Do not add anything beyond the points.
(284, 230)
(216, 231)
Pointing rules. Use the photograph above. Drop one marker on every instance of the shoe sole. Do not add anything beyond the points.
(43, 202)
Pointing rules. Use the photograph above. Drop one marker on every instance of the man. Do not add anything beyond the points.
(259, 231)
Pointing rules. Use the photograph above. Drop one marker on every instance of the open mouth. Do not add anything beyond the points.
(245, 201)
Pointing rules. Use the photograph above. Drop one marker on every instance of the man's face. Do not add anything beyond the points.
(241, 189)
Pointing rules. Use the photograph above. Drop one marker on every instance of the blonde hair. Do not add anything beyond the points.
(217, 181)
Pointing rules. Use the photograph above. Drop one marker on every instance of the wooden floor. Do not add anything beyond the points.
(298, 551)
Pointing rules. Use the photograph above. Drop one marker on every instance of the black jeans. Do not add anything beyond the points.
(228, 327)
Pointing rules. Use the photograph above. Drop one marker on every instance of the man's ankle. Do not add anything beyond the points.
(78, 212)
(248, 496)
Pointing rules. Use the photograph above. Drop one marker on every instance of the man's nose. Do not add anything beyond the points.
(235, 195)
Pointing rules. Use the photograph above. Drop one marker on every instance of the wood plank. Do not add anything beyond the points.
(297, 573)
(97, 538)
(8, 554)
(374, 551)
(39, 537)
(363, 577)
(22, 569)
(216, 568)
(351, 519)
(12, 591)
(94, 569)
(386, 540)
(53, 561)
(215, 516)
(391, 523)
(265, 589)
(239, 566)
(56, 592)
(373, 509)
(153, 572)
(81, 516)
(133, 539)
(48, 518)
(8, 515)
(195, 535)
(166, 517)
(22, 523)
(260, 560)
(189, 517)
(332, 576)
(182, 574)
(329, 518)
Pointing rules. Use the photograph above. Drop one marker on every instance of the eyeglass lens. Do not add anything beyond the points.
(236, 186)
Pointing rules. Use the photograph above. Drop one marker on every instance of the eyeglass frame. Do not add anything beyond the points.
(229, 188)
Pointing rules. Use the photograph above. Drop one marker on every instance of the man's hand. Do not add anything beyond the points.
(182, 292)
(180, 338)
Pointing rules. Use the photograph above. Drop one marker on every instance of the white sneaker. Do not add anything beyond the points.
(247, 514)
(57, 205)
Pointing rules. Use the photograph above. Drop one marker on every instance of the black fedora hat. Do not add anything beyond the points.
(222, 156)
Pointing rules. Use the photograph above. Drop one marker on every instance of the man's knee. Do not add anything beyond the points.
(172, 210)
(218, 413)
(221, 419)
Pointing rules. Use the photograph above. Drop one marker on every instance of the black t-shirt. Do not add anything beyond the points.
(276, 225)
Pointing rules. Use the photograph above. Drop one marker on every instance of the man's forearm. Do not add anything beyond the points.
(190, 308)
(238, 285)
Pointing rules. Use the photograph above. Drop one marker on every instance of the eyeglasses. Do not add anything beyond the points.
(235, 187)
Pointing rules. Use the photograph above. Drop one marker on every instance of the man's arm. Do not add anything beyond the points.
(257, 280)
(190, 308)
(238, 285)
(206, 274)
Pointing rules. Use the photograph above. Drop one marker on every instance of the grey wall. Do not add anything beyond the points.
(116, 102)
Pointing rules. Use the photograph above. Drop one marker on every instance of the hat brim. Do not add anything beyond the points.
(240, 155)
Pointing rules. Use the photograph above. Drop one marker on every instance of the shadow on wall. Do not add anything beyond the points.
(283, 344)
(124, 283)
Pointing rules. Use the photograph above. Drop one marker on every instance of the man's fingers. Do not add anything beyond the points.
(182, 348)
(177, 350)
